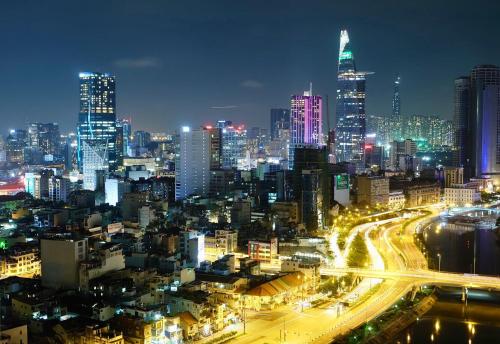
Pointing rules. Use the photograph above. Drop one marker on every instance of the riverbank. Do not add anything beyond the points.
(396, 325)
(390, 323)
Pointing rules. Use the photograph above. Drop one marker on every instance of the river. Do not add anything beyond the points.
(464, 243)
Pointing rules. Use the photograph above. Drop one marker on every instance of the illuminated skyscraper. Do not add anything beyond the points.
(126, 125)
(477, 122)
(95, 163)
(482, 137)
(396, 111)
(234, 142)
(97, 117)
(305, 123)
(350, 111)
(45, 137)
(396, 100)
(192, 163)
(215, 146)
(462, 100)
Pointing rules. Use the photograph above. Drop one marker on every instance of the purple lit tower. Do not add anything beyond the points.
(305, 122)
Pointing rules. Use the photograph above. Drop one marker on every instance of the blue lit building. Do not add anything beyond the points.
(477, 122)
(350, 111)
(234, 143)
(97, 117)
(126, 125)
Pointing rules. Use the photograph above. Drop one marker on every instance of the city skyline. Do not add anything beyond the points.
(288, 172)
(155, 79)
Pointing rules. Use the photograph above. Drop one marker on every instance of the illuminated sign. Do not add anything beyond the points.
(3, 244)
(342, 181)
(345, 55)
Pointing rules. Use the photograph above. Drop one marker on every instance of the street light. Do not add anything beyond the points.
(439, 262)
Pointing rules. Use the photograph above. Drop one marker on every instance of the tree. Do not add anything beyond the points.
(358, 253)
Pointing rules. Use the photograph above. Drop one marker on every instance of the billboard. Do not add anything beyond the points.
(342, 181)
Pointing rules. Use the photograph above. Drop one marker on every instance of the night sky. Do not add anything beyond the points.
(192, 62)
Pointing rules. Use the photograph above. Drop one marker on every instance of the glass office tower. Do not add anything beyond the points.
(350, 111)
(97, 117)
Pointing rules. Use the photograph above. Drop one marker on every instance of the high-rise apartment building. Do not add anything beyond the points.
(97, 117)
(280, 120)
(192, 163)
(59, 189)
(401, 150)
(351, 117)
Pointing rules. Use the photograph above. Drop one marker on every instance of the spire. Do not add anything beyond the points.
(344, 39)
(346, 58)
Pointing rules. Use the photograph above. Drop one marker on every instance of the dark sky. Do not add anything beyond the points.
(191, 62)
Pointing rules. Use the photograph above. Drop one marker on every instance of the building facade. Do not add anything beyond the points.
(305, 123)
(373, 191)
(192, 163)
(350, 110)
(280, 120)
(97, 117)
(477, 121)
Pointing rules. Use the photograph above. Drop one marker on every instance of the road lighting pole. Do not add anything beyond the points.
(439, 262)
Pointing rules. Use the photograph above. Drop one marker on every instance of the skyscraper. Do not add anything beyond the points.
(126, 124)
(97, 117)
(462, 100)
(485, 114)
(481, 102)
(280, 119)
(45, 137)
(192, 163)
(215, 146)
(396, 111)
(95, 162)
(234, 141)
(16, 142)
(350, 111)
(305, 123)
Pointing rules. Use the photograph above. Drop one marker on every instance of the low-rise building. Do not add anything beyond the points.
(222, 242)
(266, 251)
(271, 294)
(107, 258)
(453, 175)
(155, 329)
(461, 194)
(397, 200)
(372, 190)
(20, 260)
(101, 334)
(422, 194)
(286, 212)
(308, 267)
(14, 334)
